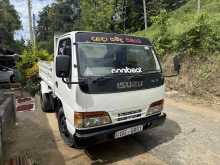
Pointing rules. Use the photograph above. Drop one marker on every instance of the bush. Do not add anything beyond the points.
(163, 40)
(199, 38)
(28, 68)
(163, 44)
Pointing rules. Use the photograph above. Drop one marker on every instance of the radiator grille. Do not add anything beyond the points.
(129, 115)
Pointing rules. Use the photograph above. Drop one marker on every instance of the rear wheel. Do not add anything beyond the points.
(65, 134)
(47, 103)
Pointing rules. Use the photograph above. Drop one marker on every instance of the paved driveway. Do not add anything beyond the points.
(190, 135)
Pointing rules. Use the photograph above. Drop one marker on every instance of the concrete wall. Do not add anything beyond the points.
(7, 120)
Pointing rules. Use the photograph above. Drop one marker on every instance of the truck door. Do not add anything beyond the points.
(65, 92)
(64, 49)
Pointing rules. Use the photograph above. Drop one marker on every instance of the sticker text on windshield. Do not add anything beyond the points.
(127, 70)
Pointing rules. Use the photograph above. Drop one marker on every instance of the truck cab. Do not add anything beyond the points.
(102, 86)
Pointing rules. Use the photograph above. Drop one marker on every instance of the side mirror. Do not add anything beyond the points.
(176, 63)
(63, 66)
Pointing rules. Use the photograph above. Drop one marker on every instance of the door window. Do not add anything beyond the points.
(65, 49)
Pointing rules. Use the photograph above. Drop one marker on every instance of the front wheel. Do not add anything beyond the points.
(65, 134)
(47, 103)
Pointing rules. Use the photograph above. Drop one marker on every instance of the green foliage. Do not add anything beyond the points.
(18, 46)
(161, 20)
(9, 22)
(58, 18)
(162, 40)
(187, 32)
(28, 68)
(33, 85)
(46, 44)
(96, 15)
(43, 55)
(199, 38)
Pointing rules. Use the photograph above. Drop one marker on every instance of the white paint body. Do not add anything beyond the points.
(74, 100)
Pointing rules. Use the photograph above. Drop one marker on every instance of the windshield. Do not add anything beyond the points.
(109, 59)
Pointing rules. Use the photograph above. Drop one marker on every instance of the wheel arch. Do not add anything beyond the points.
(70, 125)
(45, 88)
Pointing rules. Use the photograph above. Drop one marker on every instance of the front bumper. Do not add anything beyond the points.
(88, 137)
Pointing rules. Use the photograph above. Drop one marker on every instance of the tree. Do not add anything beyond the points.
(96, 15)
(119, 16)
(113, 15)
(58, 18)
(9, 22)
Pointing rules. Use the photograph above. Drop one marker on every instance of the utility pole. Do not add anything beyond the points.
(198, 6)
(145, 15)
(34, 32)
(125, 5)
(30, 20)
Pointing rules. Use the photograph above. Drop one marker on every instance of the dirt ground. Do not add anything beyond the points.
(190, 135)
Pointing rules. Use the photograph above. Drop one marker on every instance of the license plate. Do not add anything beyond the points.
(128, 131)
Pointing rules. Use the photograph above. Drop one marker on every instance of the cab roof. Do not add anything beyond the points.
(102, 37)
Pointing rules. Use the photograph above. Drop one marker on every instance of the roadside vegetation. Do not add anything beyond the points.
(195, 38)
(29, 70)
(9, 23)
(186, 31)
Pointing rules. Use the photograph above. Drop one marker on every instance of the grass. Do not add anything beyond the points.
(184, 17)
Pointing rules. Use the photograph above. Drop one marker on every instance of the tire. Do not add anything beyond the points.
(65, 134)
(12, 79)
(47, 103)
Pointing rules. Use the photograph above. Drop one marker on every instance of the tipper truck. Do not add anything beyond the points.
(102, 86)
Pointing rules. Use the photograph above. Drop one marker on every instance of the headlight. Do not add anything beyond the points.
(91, 119)
(155, 107)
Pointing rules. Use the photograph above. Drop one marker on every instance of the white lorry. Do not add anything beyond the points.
(102, 86)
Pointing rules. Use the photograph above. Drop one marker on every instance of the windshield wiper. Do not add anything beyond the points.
(102, 78)
(112, 76)
(141, 74)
